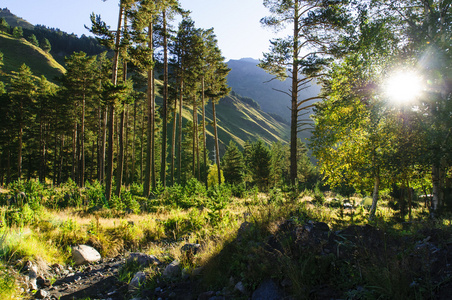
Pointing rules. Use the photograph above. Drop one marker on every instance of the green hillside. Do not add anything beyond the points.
(19, 51)
(241, 122)
(14, 20)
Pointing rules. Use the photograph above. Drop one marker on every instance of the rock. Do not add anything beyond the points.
(40, 294)
(137, 281)
(206, 295)
(267, 290)
(83, 254)
(144, 260)
(33, 276)
(240, 287)
(286, 282)
(172, 270)
(42, 282)
(193, 248)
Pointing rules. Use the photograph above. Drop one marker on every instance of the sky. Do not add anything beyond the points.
(235, 22)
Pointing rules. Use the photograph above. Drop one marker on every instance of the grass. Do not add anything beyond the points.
(215, 222)
(19, 51)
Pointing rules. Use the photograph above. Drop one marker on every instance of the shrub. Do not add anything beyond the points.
(94, 194)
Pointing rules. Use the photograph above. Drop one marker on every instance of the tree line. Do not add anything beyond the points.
(118, 117)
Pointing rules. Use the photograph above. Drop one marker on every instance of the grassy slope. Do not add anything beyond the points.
(239, 122)
(14, 20)
(19, 51)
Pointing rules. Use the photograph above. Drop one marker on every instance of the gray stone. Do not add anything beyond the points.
(172, 270)
(83, 254)
(144, 260)
(33, 276)
(267, 290)
(206, 295)
(193, 248)
(137, 281)
(40, 294)
(240, 287)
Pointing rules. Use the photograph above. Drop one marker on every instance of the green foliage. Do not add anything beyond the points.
(4, 26)
(33, 40)
(212, 177)
(45, 45)
(258, 164)
(7, 284)
(94, 193)
(233, 165)
(18, 32)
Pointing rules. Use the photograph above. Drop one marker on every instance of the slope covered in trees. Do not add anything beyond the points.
(19, 51)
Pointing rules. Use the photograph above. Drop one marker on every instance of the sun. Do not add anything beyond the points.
(403, 86)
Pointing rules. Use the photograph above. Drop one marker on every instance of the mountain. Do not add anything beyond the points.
(239, 120)
(63, 44)
(19, 51)
(14, 20)
(247, 79)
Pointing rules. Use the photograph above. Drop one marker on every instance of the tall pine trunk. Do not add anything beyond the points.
(165, 101)
(134, 134)
(111, 121)
(179, 152)
(173, 142)
(82, 145)
(149, 172)
(204, 135)
(294, 101)
(120, 164)
(217, 149)
(74, 153)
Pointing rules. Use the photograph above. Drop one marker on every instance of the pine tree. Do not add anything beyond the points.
(216, 82)
(311, 21)
(4, 26)
(22, 94)
(18, 32)
(81, 85)
(33, 40)
(258, 159)
(233, 164)
(45, 45)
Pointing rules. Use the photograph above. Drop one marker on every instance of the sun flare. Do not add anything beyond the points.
(403, 86)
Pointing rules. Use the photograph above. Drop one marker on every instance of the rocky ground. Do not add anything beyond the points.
(426, 258)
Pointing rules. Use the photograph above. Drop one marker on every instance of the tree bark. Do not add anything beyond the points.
(114, 80)
(217, 149)
(179, 152)
(120, 164)
(165, 101)
(435, 190)
(149, 173)
(294, 100)
(375, 196)
(204, 135)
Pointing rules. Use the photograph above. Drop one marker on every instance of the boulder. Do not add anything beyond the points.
(191, 248)
(144, 260)
(240, 287)
(83, 254)
(137, 281)
(267, 290)
(40, 294)
(172, 270)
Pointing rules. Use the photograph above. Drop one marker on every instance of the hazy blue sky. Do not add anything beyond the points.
(236, 22)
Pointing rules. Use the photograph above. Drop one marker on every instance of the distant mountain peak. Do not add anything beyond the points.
(14, 20)
(249, 59)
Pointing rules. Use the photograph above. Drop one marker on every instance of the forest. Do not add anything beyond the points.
(114, 154)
